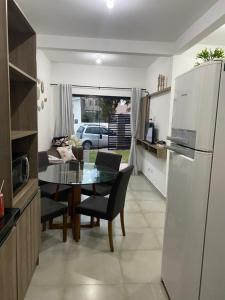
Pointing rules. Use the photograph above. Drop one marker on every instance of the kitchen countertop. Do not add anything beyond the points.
(7, 222)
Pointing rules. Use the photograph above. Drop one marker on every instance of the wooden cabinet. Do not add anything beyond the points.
(23, 252)
(28, 237)
(35, 217)
(18, 94)
(8, 278)
(18, 115)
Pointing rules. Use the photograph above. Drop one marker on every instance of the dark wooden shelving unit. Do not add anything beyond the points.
(18, 115)
(21, 40)
(18, 107)
(159, 93)
(17, 74)
(159, 151)
(19, 134)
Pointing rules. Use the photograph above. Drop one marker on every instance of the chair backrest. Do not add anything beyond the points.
(43, 161)
(107, 159)
(118, 194)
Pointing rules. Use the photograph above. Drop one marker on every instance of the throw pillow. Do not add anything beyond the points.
(66, 154)
(60, 141)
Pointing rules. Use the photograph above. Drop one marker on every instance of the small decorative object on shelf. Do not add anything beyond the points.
(162, 82)
(2, 206)
(38, 93)
(42, 87)
(207, 55)
(41, 97)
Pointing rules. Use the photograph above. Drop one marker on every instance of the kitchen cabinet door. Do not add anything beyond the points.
(8, 280)
(28, 241)
(23, 252)
(35, 217)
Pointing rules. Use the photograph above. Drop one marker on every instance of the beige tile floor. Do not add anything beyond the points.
(88, 271)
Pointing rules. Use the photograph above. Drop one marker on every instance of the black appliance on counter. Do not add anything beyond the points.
(151, 133)
(20, 171)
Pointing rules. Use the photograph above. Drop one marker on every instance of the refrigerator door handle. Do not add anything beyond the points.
(177, 140)
(181, 150)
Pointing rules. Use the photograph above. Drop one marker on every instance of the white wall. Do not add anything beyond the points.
(156, 169)
(186, 61)
(162, 65)
(98, 75)
(45, 116)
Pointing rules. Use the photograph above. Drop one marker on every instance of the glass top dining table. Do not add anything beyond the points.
(76, 174)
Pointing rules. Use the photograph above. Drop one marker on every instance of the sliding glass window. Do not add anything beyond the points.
(102, 122)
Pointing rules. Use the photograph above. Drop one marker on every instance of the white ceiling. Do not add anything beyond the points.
(86, 58)
(143, 20)
(216, 38)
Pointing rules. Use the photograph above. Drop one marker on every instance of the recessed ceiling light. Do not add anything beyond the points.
(110, 3)
(99, 60)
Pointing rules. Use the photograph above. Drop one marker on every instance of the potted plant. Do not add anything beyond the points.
(209, 55)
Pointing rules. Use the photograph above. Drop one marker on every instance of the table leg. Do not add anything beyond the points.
(76, 218)
(92, 218)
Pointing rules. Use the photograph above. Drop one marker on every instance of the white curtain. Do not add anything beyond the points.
(135, 109)
(64, 123)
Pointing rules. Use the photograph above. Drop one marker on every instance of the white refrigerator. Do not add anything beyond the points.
(193, 264)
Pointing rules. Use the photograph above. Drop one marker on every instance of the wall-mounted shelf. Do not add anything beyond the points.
(159, 93)
(159, 151)
(19, 134)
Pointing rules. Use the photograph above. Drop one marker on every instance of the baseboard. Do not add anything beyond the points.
(164, 196)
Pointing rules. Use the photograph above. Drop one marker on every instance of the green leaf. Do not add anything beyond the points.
(208, 55)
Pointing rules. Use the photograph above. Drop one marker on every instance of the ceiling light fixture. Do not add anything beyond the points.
(110, 4)
(98, 60)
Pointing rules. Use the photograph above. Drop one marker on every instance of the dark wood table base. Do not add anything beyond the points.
(69, 225)
(75, 223)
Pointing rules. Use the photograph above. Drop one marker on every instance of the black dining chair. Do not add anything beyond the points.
(51, 190)
(105, 159)
(50, 210)
(106, 208)
(109, 160)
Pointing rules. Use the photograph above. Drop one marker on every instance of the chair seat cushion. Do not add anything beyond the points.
(94, 206)
(100, 189)
(51, 209)
(49, 189)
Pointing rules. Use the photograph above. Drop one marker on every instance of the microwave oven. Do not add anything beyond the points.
(20, 171)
